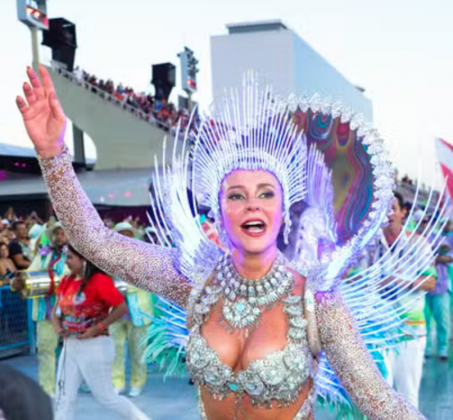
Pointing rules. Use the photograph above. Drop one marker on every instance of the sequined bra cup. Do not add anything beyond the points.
(277, 377)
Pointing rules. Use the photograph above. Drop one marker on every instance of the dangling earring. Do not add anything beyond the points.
(84, 268)
(222, 235)
(287, 228)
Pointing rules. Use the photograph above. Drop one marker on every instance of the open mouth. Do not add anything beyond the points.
(254, 227)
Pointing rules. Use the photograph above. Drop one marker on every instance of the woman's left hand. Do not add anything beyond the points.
(91, 332)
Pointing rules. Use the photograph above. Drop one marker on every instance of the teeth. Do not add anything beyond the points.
(256, 226)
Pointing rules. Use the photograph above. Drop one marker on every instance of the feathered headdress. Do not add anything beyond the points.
(321, 153)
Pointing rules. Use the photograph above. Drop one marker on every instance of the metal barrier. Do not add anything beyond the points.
(16, 326)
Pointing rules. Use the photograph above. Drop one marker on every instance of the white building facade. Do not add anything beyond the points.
(282, 59)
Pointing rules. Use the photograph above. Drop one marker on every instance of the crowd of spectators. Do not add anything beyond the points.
(160, 112)
(22, 236)
(35, 225)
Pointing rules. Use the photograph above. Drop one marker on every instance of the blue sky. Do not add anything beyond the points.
(400, 51)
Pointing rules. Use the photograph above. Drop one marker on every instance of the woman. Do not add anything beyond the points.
(7, 267)
(89, 303)
(249, 350)
(10, 324)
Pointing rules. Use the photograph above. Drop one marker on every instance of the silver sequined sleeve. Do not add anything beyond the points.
(349, 357)
(146, 266)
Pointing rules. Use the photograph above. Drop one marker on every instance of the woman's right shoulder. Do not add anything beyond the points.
(101, 278)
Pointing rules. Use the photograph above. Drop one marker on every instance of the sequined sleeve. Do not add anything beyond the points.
(353, 364)
(146, 266)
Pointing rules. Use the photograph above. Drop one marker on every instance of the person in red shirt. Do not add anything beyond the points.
(87, 304)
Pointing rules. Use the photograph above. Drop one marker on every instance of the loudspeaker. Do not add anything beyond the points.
(61, 33)
(164, 73)
(61, 37)
(163, 79)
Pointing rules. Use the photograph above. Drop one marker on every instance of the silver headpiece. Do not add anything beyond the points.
(344, 177)
(254, 133)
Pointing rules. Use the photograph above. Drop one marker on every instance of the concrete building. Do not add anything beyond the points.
(282, 59)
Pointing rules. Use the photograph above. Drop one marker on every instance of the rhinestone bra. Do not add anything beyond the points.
(279, 376)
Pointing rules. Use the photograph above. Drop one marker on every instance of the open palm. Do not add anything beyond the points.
(43, 116)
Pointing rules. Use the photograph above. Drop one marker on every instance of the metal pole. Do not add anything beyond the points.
(189, 101)
(35, 48)
(31, 327)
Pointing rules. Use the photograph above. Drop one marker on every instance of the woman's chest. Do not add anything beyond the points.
(239, 348)
(267, 360)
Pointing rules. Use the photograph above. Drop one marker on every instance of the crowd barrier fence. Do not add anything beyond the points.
(17, 330)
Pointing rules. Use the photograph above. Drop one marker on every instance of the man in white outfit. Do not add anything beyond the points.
(405, 364)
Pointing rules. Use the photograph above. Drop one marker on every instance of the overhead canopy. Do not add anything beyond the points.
(13, 150)
(113, 188)
(10, 150)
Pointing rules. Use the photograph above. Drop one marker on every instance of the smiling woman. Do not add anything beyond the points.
(257, 326)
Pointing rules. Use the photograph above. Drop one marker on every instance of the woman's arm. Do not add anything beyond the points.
(96, 330)
(33, 218)
(117, 312)
(354, 365)
(146, 266)
(56, 322)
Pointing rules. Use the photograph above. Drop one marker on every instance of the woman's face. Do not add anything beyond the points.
(75, 263)
(4, 252)
(251, 205)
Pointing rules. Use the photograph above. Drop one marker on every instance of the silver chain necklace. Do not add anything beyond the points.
(244, 300)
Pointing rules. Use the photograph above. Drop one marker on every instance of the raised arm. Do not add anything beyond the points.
(146, 266)
(356, 369)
